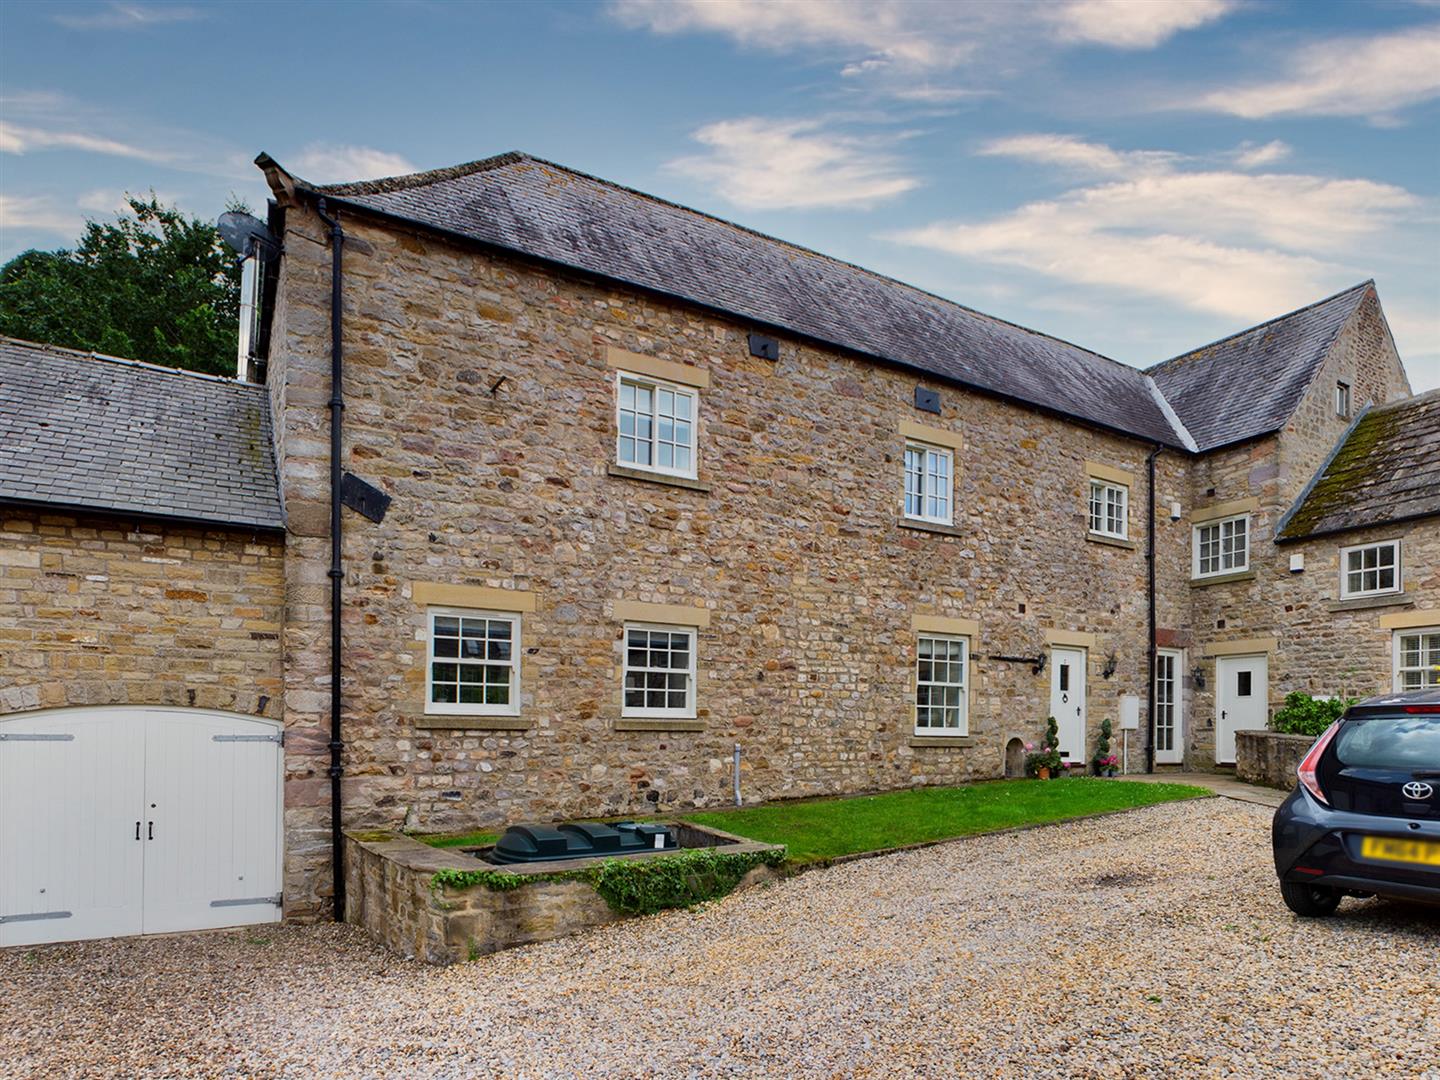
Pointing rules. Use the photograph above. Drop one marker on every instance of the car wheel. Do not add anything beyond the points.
(1311, 901)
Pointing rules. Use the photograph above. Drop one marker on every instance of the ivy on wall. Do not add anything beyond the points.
(636, 886)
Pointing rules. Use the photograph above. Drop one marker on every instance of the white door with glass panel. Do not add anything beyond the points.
(1242, 694)
(1169, 709)
(1067, 700)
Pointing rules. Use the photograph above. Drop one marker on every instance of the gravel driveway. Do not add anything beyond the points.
(1146, 944)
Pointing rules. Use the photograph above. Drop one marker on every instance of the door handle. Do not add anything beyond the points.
(1223, 714)
(1077, 710)
(151, 831)
(137, 830)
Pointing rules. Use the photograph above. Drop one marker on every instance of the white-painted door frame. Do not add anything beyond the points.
(117, 820)
(1240, 704)
(1171, 662)
(1068, 694)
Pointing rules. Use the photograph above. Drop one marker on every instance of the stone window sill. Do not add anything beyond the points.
(649, 724)
(656, 478)
(958, 742)
(928, 526)
(1222, 579)
(1361, 603)
(474, 723)
(1111, 541)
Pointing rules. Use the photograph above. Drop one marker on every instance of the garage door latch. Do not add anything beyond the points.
(16, 736)
(279, 739)
(35, 916)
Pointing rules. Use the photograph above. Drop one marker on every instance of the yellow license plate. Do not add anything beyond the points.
(1389, 849)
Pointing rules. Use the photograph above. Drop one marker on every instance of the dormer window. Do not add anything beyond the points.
(1342, 400)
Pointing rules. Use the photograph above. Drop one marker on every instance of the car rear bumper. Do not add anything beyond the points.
(1316, 845)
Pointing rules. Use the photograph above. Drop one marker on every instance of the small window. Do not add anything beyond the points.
(928, 483)
(659, 672)
(1417, 659)
(1342, 399)
(1064, 678)
(1370, 569)
(1222, 547)
(473, 666)
(655, 426)
(1242, 684)
(940, 680)
(1109, 509)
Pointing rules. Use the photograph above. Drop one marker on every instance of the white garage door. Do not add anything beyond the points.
(137, 821)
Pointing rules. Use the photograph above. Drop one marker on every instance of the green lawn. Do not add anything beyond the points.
(825, 828)
(448, 840)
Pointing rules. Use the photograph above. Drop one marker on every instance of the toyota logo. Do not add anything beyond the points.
(1416, 790)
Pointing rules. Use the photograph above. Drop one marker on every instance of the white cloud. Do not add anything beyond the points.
(328, 163)
(1212, 240)
(1349, 77)
(880, 36)
(1134, 24)
(38, 212)
(762, 164)
(17, 139)
(117, 16)
(1250, 156)
(1076, 154)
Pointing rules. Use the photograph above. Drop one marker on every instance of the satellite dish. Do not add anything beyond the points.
(243, 232)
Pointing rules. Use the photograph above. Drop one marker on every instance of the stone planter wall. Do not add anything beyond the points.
(389, 894)
(1269, 758)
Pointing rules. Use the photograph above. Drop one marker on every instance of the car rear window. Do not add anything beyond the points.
(1390, 742)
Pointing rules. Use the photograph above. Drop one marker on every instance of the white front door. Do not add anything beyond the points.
(1169, 708)
(119, 821)
(1242, 694)
(1067, 700)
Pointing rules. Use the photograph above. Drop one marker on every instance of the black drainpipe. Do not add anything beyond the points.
(1150, 598)
(337, 573)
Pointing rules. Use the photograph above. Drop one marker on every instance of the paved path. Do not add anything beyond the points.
(1146, 944)
(1219, 783)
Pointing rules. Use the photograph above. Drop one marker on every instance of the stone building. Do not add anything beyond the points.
(629, 487)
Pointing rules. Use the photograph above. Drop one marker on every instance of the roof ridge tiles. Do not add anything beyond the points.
(1368, 282)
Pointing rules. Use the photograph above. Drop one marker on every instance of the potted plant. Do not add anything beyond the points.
(1104, 761)
(1045, 762)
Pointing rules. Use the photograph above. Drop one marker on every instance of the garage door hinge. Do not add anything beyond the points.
(276, 900)
(15, 736)
(279, 740)
(34, 916)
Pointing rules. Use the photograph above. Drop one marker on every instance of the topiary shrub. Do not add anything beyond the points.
(1305, 715)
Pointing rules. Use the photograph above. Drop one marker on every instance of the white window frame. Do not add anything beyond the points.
(1219, 524)
(641, 712)
(1346, 592)
(472, 708)
(1429, 673)
(656, 388)
(963, 729)
(1342, 399)
(927, 476)
(1103, 488)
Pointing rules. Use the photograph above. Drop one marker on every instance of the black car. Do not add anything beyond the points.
(1365, 817)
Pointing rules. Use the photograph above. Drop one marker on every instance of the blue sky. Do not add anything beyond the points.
(1138, 176)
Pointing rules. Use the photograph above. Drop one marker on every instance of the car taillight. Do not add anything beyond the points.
(1307, 768)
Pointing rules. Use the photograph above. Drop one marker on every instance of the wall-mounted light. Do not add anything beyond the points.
(1109, 668)
(1174, 511)
(1039, 664)
(1197, 677)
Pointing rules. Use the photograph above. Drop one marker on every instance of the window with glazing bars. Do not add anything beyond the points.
(928, 476)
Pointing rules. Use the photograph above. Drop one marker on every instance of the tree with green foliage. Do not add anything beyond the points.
(153, 285)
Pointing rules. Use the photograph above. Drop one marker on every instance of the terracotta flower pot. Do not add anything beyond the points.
(1043, 772)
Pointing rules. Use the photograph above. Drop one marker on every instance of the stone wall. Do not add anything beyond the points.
(1269, 758)
(789, 544)
(389, 894)
(113, 611)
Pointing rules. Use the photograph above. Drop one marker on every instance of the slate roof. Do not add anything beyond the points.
(543, 210)
(1250, 383)
(87, 431)
(1387, 469)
